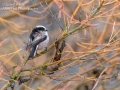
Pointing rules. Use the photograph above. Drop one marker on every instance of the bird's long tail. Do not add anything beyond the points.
(33, 52)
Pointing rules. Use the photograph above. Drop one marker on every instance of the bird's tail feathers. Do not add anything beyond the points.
(33, 51)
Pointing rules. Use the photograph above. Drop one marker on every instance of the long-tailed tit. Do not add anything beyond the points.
(38, 39)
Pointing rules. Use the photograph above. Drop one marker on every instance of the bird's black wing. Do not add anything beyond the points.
(34, 45)
(31, 39)
(36, 42)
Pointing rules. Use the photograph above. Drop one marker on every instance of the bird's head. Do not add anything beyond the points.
(41, 29)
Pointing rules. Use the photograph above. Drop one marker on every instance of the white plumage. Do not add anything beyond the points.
(43, 45)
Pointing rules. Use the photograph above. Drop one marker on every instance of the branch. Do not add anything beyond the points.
(66, 34)
(62, 37)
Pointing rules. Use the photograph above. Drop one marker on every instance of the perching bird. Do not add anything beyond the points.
(38, 39)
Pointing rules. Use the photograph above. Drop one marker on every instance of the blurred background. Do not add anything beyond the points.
(99, 70)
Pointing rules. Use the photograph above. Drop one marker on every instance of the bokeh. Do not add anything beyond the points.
(88, 61)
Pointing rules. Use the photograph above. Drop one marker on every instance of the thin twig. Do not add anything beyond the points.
(54, 16)
(5, 67)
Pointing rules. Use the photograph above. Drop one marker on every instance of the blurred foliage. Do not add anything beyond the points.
(87, 60)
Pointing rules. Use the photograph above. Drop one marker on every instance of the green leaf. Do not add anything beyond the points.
(42, 73)
(45, 65)
(14, 76)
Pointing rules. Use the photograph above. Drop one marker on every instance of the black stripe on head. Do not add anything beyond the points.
(40, 28)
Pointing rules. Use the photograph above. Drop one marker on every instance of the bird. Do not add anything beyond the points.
(38, 40)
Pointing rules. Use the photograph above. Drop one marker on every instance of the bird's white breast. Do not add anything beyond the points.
(43, 45)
